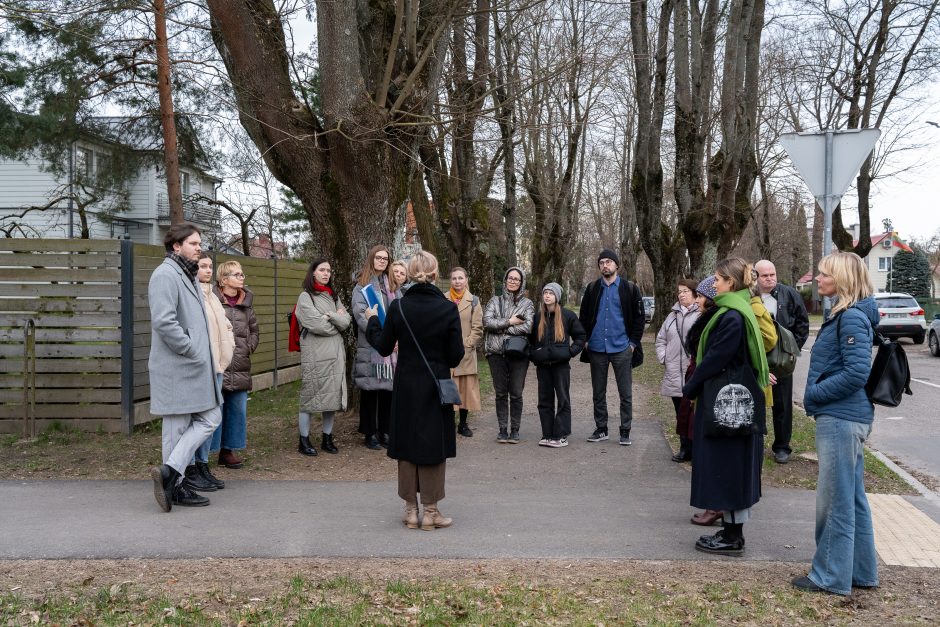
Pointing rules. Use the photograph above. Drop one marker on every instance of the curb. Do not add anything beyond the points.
(924, 491)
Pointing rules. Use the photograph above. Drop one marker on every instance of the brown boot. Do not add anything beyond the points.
(707, 518)
(228, 459)
(433, 519)
(411, 515)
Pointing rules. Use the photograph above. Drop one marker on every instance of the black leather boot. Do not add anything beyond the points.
(327, 444)
(305, 447)
(197, 482)
(685, 450)
(371, 442)
(462, 427)
(203, 469)
(164, 484)
(185, 496)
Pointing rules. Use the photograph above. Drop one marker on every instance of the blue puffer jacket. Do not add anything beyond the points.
(840, 365)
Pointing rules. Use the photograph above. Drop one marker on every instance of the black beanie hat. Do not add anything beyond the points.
(608, 254)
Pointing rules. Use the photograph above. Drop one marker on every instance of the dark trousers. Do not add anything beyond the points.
(554, 385)
(375, 410)
(508, 384)
(783, 414)
(600, 366)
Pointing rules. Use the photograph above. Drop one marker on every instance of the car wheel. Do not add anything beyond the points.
(934, 345)
(918, 339)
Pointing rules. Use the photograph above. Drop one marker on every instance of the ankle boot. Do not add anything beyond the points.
(411, 515)
(197, 482)
(464, 430)
(305, 447)
(685, 450)
(203, 469)
(228, 459)
(328, 445)
(433, 519)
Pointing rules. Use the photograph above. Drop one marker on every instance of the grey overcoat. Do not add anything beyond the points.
(182, 370)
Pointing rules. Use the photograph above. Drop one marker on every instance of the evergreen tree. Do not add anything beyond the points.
(910, 273)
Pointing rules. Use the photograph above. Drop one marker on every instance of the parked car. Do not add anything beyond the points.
(933, 336)
(901, 316)
(649, 306)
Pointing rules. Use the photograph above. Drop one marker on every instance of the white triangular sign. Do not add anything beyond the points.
(807, 151)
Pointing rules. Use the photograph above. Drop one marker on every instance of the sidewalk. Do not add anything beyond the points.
(584, 501)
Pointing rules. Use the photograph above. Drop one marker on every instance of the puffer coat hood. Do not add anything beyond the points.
(840, 364)
(500, 309)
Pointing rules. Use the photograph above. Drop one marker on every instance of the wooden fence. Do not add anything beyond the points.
(75, 330)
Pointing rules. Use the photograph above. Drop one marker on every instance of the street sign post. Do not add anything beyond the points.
(827, 163)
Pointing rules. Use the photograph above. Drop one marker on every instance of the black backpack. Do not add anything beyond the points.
(890, 376)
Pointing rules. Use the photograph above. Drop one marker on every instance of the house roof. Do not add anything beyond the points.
(875, 241)
(145, 134)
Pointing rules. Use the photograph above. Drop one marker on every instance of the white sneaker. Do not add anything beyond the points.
(544, 442)
(562, 442)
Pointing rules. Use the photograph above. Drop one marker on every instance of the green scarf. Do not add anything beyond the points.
(741, 303)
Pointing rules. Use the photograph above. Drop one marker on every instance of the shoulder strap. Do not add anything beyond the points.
(420, 352)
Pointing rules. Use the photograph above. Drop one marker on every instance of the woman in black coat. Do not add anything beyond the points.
(726, 475)
(556, 337)
(421, 434)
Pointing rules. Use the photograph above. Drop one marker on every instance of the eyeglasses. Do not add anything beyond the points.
(381, 258)
(513, 279)
(237, 275)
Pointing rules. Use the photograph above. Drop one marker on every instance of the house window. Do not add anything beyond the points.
(102, 163)
(184, 183)
(884, 264)
(83, 162)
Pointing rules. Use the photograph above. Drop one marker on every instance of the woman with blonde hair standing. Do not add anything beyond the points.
(835, 396)
(426, 328)
(471, 326)
(237, 301)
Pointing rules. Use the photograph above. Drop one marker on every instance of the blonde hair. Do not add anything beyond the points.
(392, 281)
(558, 331)
(738, 271)
(848, 271)
(423, 267)
(226, 268)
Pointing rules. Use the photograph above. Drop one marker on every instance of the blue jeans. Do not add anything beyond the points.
(233, 432)
(845, 541)
(202, 453)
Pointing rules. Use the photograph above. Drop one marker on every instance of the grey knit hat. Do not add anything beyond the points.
(555, 289)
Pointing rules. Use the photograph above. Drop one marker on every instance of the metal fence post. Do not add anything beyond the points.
(127, 334)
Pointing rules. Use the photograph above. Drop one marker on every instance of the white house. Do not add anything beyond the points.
(41, 199)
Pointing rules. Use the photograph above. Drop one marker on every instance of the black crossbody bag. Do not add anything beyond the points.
(446, 388)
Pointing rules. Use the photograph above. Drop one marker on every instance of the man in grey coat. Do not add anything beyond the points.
(183, 386)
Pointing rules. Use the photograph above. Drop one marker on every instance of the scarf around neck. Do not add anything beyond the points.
(740, 302)
(456, 296)
(322, 288)
(190, 268)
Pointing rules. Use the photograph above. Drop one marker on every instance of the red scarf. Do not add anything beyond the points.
(322, 288)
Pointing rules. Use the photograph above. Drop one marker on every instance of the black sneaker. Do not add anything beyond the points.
(185, 496)
(513, 437)
(503, 436)
(197, 481)
(599, 435)
(806, 584)
(625, 439)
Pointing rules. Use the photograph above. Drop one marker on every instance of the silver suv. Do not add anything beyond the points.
(933, 336)
(901, 316)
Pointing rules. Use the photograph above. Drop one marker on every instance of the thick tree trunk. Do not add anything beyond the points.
(167, 114)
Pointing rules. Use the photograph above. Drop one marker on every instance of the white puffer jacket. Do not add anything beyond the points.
(670, 347)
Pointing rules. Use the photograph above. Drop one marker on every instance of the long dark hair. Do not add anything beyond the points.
(309, 280)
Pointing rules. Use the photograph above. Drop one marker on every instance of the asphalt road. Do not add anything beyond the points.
(909, 433)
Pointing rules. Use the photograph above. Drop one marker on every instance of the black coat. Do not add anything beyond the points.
(726, 474)
(421, 429)
(631, 303)
(547, 351)
(791, 312)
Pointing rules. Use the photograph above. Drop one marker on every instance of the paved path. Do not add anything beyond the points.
(584, 501)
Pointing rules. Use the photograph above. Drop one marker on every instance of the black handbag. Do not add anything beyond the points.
(516, 346)
(733, 403)
(446, 388)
